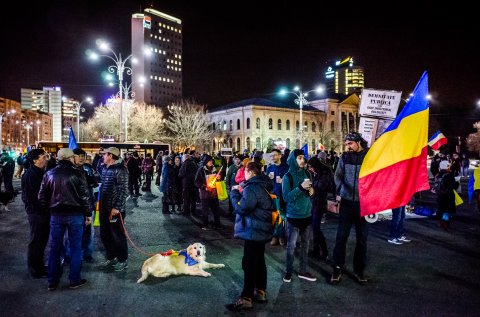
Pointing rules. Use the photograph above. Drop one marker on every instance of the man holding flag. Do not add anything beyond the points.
(346, 179)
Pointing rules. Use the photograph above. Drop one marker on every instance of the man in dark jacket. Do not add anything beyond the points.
(134, 173)
(38, 217)
(208, 194)
(346, 180)
(8, 169)
(230, 178)
(113, 196)
(187, 173)
(64, 191)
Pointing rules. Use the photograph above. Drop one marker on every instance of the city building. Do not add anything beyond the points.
(257, 123)
(48, 100)
(69, 117)
(22, 127)
(157, 46)
(342, 77)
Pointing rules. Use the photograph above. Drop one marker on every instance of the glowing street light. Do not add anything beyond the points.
(301, 101)
(119, 68)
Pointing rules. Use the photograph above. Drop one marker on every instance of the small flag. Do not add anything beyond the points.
(437, 140)
(305, 150)
(72, 142)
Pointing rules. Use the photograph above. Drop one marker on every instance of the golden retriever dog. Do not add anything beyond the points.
(188, 262)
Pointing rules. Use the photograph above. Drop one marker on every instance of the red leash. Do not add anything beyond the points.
(135, 246)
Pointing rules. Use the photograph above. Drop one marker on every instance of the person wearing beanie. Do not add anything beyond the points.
(208, 192)
(296, 190)
(346, 180)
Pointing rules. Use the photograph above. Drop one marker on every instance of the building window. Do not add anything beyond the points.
(238, 144)
(279, 124)
(297, 143)
(270, 124)
(224, 125)
(306, 126)
(332, 126)
(238, 124)
(230, 125)
(213, 145)
(257, 143)
(258, 123)
(320, 127)
(332, 113)
(314, 127)
(297, 125)
(287, 143)
(213, 126)
(248, 123)
(230, 142)
(247, 145)
(313, 145)
(288, 125)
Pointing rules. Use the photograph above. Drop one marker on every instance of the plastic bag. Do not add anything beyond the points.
(458, 199)
(221, 190)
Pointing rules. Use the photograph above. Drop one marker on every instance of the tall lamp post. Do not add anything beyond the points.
(28, 127)
(128, 96)
(301, 101)
(119, 67)
(78, 108)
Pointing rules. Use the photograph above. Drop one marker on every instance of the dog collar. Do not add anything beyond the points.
(188, 259)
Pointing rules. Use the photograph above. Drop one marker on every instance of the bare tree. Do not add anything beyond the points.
(188, 124)
(144, 123)
(473, 139)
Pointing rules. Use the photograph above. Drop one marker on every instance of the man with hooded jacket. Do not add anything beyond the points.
(208, 194)
(346, 180)
(296, 189)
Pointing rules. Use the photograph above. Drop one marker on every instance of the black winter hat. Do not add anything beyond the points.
(206, 159)
(79, 151)
(298, 152)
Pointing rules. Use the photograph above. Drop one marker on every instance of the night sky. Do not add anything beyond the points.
(234, 50)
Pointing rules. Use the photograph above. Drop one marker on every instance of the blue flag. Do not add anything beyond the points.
(72, 142)
(305, 150)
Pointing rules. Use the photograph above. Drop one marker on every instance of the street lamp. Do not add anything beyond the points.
(28, 127)
(38, 129)
(119, 68)
(301, 101)
(78, 108)
(128, 95)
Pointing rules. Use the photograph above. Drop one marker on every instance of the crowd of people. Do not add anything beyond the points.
(59, 196)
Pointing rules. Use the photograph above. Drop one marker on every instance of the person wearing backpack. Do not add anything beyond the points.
(443, 186)
(296, 190)
(253, 224)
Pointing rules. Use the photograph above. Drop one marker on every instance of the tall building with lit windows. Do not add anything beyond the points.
(157, 45)
(341, 77)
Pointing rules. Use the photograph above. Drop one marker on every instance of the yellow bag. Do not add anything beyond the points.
(221, 190)
(458, 199)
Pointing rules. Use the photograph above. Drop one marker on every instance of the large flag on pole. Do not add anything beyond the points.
(72, 142)
(395, 167)
(437, 140)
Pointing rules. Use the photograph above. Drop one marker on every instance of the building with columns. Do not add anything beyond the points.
(256, 123)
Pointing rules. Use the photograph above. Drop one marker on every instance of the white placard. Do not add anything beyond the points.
(226, 151)
(367, 128)
(380, 103)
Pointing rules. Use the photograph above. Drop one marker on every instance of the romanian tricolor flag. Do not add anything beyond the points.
(437, 140)
(395, 167)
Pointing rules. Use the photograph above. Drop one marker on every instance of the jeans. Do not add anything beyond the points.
(113, 237)
(254, 268)
(39, 233)
(292, 235)
(189, 200)
(350, 215)
(148, 180)
(396, 225)
(73, 224)
(319, 241)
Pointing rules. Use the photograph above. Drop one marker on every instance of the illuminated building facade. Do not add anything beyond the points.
(157, 45)
(344, 78)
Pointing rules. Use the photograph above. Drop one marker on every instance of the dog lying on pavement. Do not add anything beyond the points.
(189, 262)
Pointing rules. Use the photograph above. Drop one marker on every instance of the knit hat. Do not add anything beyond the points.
(64, 154)
(79, 151)
(298, 152)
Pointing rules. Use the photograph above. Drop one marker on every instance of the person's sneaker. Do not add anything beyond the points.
(120, 266)
(52, 287)
(395, 241)
(287, 278)
(274, 241)
(109, 263)
(307, 276)
(78, 284)
(404, 239)
(336, 275)
(360, 278)
(260, 296)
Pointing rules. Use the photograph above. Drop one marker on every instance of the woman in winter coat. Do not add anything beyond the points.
(240, 177)
(444, 185)
(177, 189)
(253, 224)
(323, 184)
(167, 185)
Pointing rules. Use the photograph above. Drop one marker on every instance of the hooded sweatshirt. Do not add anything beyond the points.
(297, 199)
